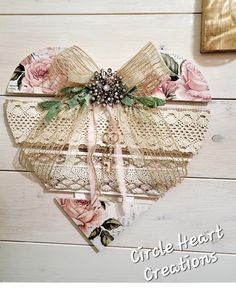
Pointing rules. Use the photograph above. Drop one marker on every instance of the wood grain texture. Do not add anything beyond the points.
(21, 35)
(220, 141)
(218, 32)
(98, 6)
(37, 262)
(28, 213)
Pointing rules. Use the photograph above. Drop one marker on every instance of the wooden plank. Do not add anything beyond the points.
(100, 6)
(220, 141)
(28, 213)
(22, 35)
(58, 263)
(217, 157)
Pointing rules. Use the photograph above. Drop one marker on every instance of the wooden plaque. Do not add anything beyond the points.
(218, 26)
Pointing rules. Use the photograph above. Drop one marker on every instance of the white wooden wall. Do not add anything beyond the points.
(37, 243)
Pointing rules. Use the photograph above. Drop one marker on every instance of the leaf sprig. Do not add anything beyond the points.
(148, 101)
(79, 96)
(73, 96)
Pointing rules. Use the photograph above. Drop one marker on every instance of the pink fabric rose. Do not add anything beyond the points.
(85, 215)
(166, 89)
(35, 75)
(191, 84)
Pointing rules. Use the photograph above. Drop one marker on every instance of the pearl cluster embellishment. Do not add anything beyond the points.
(106, 87)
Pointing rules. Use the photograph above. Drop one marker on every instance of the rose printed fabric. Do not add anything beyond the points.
(85, 215)
(29, 75)
(185, 82)
(102, 221)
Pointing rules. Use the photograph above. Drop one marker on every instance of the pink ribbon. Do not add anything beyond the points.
(119, 162)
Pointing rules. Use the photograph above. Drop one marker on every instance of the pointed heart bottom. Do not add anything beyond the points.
(103, 221)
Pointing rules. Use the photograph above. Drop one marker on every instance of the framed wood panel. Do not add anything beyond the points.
(218, 26)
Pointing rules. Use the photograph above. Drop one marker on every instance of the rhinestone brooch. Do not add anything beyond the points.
(106, 87)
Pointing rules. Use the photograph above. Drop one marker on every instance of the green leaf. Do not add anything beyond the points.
(72, 102)
(146, 101)
(106, 238)
(77, 89)
(67, 90)
(48, 104)
(111, 224)
(95, 233)
(82, 101)
(150, 101)
(127, 101)
(159, 101)
(170, 63)
(51, 113)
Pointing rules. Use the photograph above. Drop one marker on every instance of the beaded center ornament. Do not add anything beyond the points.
(107, 87)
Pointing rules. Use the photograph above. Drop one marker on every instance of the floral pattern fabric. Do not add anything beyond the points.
(29, 76)
(185, 81)
(99, 222)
